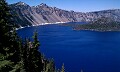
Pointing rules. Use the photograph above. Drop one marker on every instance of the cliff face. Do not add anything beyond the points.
(35, 15)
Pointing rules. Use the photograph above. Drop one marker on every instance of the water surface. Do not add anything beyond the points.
(90, 51)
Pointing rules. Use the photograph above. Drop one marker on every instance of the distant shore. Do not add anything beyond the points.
(95, 30)
(40, 25)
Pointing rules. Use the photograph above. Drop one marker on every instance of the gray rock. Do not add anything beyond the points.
(36, 15)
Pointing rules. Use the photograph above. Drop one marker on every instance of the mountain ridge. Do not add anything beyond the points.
(42, 13)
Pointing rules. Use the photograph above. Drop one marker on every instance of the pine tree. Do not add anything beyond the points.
(81, 70)
(63, 68)
(17, 55)
(36, 54)
(8, 39)
(30, 56)
(50, 67)
(4, 26)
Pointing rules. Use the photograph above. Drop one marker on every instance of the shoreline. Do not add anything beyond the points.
(96, 30)
(72, 28)
(39, 25)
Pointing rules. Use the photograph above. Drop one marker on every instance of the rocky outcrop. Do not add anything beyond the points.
(26, 15)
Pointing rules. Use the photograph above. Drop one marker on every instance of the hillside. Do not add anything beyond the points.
(26, 15)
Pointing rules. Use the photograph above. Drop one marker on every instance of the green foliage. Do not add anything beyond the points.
(5, 66)
(6, 39)
(50, 67)
(17, 55)
(100, 24)
(63, 68)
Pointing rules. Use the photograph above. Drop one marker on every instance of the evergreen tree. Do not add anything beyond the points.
(50, 67)
(81, 70)
(17, 55)
(30, 56)
(36, 54)
(4, 26)
(6, 38)
(63, 68)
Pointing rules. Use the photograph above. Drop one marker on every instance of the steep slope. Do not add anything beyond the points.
(35, 15)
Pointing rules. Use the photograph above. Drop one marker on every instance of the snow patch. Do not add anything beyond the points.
(40, 24)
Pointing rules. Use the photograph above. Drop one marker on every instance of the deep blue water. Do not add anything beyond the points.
(90, 51)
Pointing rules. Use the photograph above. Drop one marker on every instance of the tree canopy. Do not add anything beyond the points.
(16, 54)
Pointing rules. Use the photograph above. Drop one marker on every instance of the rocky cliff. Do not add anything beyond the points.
(26, 15)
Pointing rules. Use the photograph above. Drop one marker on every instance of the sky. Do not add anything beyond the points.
(75, 5)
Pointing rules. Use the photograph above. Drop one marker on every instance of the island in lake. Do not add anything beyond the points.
(100, 24)
(42, 38)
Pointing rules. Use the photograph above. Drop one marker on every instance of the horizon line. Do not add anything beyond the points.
(66, 9)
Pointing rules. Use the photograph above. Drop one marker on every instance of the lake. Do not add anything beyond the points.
(90, 51)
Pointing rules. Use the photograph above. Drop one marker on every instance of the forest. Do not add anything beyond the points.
(16, 54)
